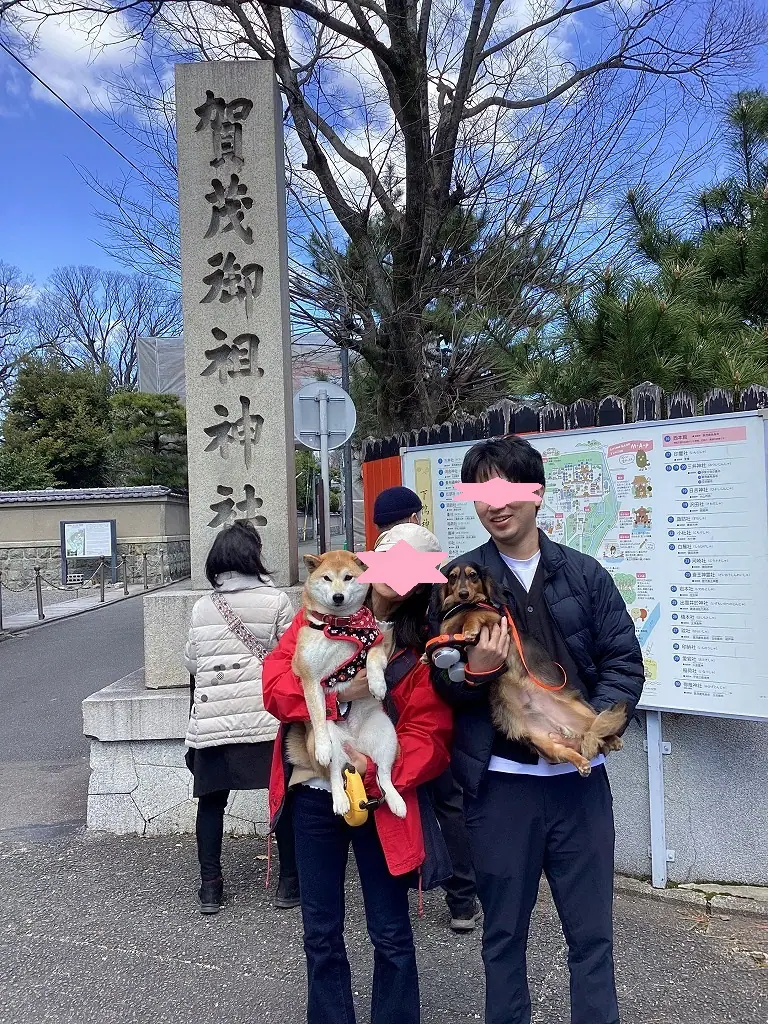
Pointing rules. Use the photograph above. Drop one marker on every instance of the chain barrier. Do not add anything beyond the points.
(152, 575)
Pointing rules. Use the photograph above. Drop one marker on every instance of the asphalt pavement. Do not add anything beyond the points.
(105, 929)
(45, 674)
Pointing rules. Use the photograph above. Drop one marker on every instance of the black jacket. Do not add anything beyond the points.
(591, 616)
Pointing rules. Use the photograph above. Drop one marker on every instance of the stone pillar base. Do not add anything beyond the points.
(139, 782)
(166, 628)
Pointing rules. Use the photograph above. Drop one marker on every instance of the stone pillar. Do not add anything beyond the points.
(236, 321)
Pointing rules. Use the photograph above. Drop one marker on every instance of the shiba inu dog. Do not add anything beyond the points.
(340, 639)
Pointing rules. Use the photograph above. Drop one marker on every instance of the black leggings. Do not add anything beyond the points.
(210, 830)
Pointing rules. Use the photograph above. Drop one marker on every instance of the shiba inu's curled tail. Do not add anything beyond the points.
(608, 723)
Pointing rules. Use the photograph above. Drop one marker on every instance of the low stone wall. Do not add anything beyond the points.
(167, 555)
(17, 563)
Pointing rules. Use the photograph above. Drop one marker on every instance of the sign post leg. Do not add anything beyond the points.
(349, 525)
(325, 471)
(659, 855)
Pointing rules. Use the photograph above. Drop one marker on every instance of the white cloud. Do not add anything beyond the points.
(73, 54)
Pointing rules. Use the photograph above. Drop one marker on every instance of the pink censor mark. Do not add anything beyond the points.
(497, 492)
(402, 567)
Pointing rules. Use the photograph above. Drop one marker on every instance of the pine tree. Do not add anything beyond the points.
(698, 318)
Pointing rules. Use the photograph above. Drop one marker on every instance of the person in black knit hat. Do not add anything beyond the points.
(393, 506)
(396, 505)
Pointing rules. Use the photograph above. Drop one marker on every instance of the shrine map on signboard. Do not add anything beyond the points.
(678, 518)
(580, 503)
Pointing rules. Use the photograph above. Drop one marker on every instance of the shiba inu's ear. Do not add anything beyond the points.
(361, 565)
(312, 561)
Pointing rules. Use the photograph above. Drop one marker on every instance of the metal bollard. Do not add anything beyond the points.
(101, 580)
(125, 575)
(1, 600)
(144, 569)
(162, 567)
(39, 592)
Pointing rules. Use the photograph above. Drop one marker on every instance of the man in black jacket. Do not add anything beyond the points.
(525, 815)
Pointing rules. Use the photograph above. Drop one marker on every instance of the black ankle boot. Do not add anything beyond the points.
(287, 895)
(211, 896)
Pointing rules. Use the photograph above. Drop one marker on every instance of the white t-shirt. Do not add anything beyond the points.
(525, 570)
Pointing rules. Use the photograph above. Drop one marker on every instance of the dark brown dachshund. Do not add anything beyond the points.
(533, 705)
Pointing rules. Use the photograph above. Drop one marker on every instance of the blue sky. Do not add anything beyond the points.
(46, 209)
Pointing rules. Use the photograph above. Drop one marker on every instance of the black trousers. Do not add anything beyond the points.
(519, 826)
(323, 841)
(448, 801)
(210, 832)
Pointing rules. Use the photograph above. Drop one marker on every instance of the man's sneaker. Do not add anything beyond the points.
(465, 921)
(211, 896)
(287, 896)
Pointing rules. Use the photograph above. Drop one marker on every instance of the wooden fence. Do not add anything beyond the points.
(510, 416)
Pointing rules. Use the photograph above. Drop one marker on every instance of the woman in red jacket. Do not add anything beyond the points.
(388, 850)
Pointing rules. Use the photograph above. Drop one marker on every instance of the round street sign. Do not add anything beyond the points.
(341, 415)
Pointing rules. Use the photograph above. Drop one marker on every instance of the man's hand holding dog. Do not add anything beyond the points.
(491, 649)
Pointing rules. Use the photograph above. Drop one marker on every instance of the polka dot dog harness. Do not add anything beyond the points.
(359, 629)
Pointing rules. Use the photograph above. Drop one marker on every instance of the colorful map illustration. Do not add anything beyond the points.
(580, 503)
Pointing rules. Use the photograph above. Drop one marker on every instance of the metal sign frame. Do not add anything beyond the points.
(85, 523)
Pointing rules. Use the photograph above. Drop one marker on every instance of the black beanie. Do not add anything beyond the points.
(394, 504)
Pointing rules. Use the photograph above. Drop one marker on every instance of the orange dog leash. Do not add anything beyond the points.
(519, 646)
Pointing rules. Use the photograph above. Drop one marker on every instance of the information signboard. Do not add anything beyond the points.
(97, 539)
(677, 512)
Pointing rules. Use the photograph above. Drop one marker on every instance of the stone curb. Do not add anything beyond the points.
(8, 633)
(691, 897)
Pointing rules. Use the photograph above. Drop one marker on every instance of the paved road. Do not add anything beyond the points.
(44, 675)
(105, 928)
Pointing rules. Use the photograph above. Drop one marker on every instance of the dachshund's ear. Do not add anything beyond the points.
(491, 587)
(436, 602)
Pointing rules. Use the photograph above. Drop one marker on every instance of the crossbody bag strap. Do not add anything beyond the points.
(239, 628)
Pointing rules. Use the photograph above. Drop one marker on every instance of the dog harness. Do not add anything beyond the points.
(460, 641)
(359, 629)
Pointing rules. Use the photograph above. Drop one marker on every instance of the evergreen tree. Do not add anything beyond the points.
(149, 439)
(59, 418)
(698, 319)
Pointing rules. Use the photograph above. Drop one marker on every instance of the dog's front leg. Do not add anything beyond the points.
(315, 699)
(339, 796)
(375, 664)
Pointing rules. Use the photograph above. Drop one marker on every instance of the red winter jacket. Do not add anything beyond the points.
(423, 731)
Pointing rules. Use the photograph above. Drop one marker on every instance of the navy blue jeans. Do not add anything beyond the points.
(519, 826)
(322, 848)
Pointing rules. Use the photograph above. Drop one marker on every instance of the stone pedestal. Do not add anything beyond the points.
(166, 627)
(139, 782)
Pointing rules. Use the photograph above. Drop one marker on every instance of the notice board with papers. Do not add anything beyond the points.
(677, 512)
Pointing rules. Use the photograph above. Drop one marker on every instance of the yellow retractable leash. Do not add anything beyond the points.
(358, 799)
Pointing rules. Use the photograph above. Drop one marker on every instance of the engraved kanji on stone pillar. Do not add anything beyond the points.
(235, 293)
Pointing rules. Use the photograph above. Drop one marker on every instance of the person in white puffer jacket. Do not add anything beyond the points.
(230, 736)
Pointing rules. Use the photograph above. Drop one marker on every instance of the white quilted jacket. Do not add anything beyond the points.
(228, 706)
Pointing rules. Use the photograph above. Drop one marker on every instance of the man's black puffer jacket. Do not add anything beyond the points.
(591, 616)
